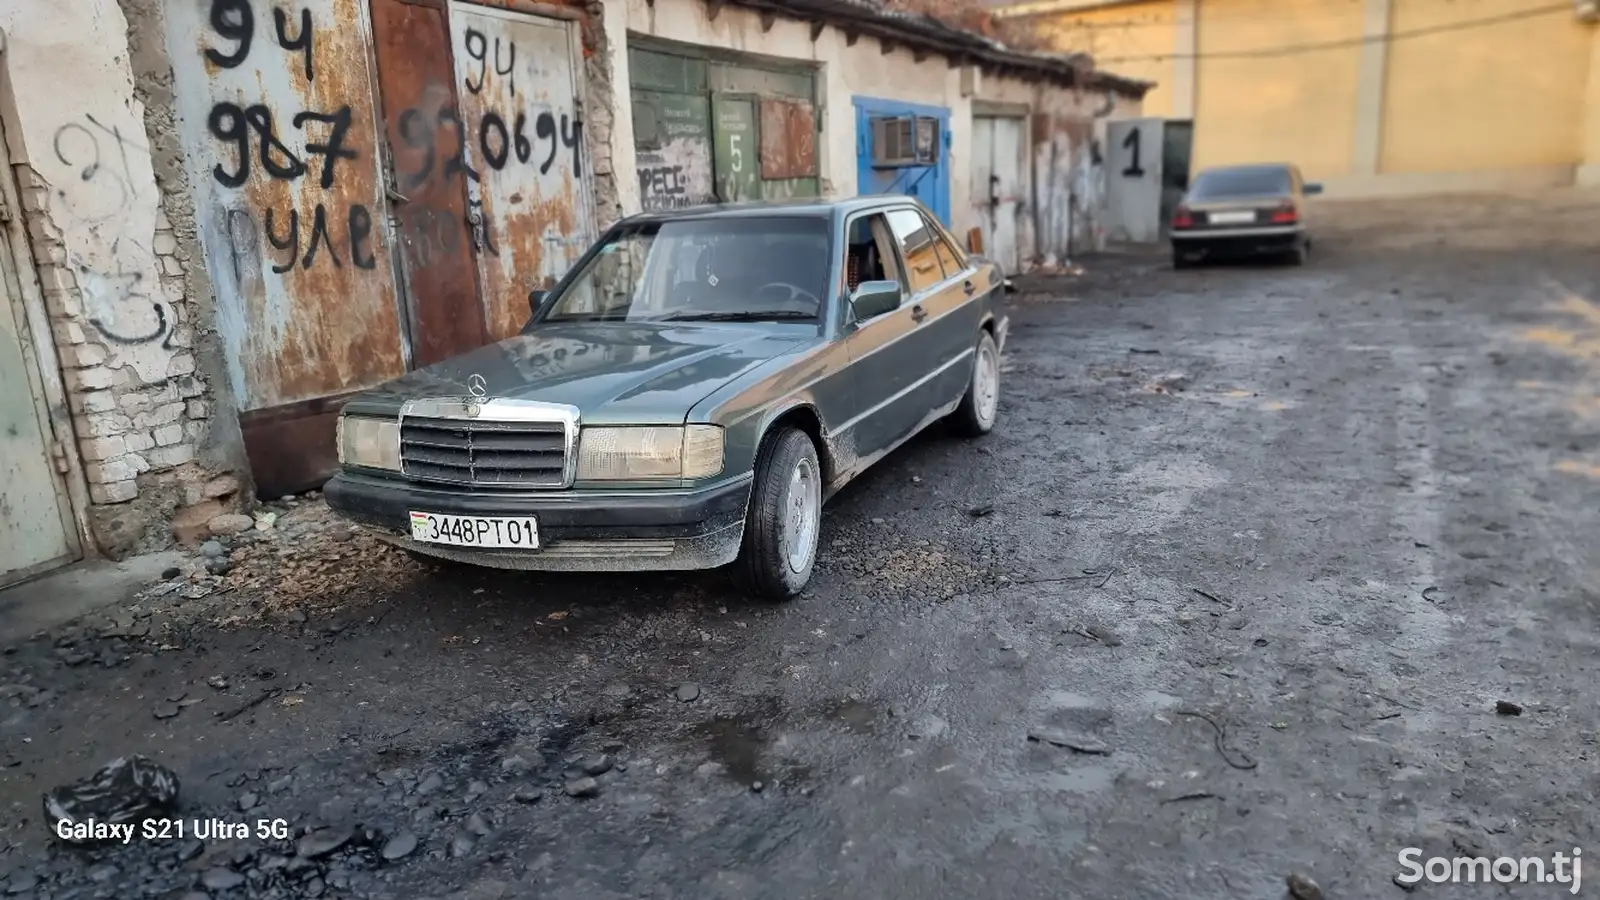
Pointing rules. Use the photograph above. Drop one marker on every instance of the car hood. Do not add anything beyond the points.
(613, 372)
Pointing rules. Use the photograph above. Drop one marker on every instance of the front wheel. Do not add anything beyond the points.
(980, 406)
(784, 521)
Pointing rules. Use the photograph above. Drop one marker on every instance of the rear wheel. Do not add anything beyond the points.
(1300, 253)
(784, 521)
(980, 406)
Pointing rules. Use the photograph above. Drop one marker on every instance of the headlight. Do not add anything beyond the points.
(636, 452)
(369, 443)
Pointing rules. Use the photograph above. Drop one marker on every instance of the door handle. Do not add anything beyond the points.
(968, 287)
(918, 313)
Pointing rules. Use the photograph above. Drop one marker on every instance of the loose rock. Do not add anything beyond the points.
(583, 787)
(461, 845)
(221, 879)
(688, 692)
(212, 550)
(1302, 887)
(323, 841)
(22, 882)
(1507, 708)
(400, 846)
(598, 764)
(1076, 743)
(248, 801)
(231, 523)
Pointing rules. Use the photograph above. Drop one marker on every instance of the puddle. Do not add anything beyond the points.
(855, 715)
(738, 744)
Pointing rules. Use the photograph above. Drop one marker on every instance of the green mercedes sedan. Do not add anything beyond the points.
(687, 397)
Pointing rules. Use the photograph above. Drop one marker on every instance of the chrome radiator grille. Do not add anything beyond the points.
(525, 454)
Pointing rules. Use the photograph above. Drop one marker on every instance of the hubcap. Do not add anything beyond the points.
(986, 383)
(800, 526)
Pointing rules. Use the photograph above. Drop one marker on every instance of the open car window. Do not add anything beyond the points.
(751, 268)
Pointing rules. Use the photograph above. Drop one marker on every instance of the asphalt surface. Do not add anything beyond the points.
(1231, 593)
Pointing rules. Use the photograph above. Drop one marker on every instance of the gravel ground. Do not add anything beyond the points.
(1232, 593)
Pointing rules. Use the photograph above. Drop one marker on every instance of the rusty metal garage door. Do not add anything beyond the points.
(519, 91)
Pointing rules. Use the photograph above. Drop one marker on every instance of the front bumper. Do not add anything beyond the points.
(590, 531)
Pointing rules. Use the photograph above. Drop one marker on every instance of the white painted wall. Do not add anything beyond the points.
(105, 259)
(74, 119)
(845, 72)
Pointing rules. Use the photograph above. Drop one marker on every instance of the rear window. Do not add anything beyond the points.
(1240, 183)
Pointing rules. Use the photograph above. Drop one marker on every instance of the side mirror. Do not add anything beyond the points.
(874, 298)
(536, 299)
(1311, 189)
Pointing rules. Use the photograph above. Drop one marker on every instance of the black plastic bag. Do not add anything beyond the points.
(128, 789)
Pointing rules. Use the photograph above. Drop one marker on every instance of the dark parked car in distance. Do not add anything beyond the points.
(687, 396)
(1231, 211)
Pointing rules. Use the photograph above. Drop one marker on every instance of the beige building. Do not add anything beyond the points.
(1368, 96)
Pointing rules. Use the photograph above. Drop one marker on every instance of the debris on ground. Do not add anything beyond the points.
(126, 790)
(1507, 708)
(1171, 383)
(1076, 743)
(1302, 887)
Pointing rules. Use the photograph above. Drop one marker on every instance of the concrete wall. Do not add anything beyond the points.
(1509, 103)
(848, 70)
(113, 271)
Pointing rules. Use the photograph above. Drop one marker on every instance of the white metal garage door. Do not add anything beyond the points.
(997, 186)
(35, 521)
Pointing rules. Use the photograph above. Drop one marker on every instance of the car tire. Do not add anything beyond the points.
(980, 406)
(783, 525)
(1300, 253)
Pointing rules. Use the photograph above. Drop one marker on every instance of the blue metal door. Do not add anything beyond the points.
(929, 184)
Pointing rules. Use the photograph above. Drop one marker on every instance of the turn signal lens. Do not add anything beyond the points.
(632, 453)
(368, 443)
(702, 451)
(1182, 218)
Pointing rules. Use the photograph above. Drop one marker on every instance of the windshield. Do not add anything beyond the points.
(1240, 183)
(731, 269)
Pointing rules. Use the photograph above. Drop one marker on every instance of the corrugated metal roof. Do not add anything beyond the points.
(924, 32)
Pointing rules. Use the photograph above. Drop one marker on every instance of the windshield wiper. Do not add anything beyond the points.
(748, 315)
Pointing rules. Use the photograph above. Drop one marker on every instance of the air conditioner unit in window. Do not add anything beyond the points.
(904, 141)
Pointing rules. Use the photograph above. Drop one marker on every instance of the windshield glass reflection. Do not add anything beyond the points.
(724, 269)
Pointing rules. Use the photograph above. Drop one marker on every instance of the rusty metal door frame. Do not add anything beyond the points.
(21, 289)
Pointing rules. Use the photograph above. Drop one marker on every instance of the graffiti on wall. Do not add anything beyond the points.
(278, 132)
(674, 150)
(95, 196)
(528, 206)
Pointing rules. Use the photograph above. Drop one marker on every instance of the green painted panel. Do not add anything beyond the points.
(737, 159)
(672, 137)
(744, 79)
(666, 71)
(790, 189)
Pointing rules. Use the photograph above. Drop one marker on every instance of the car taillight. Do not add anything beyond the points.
(1285, 215)
(1182, 218)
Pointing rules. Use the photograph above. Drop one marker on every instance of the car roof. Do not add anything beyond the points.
(762, 208)
(1254, 168)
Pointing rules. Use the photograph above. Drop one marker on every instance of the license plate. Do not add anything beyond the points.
(475, 531)
(1232, 218)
